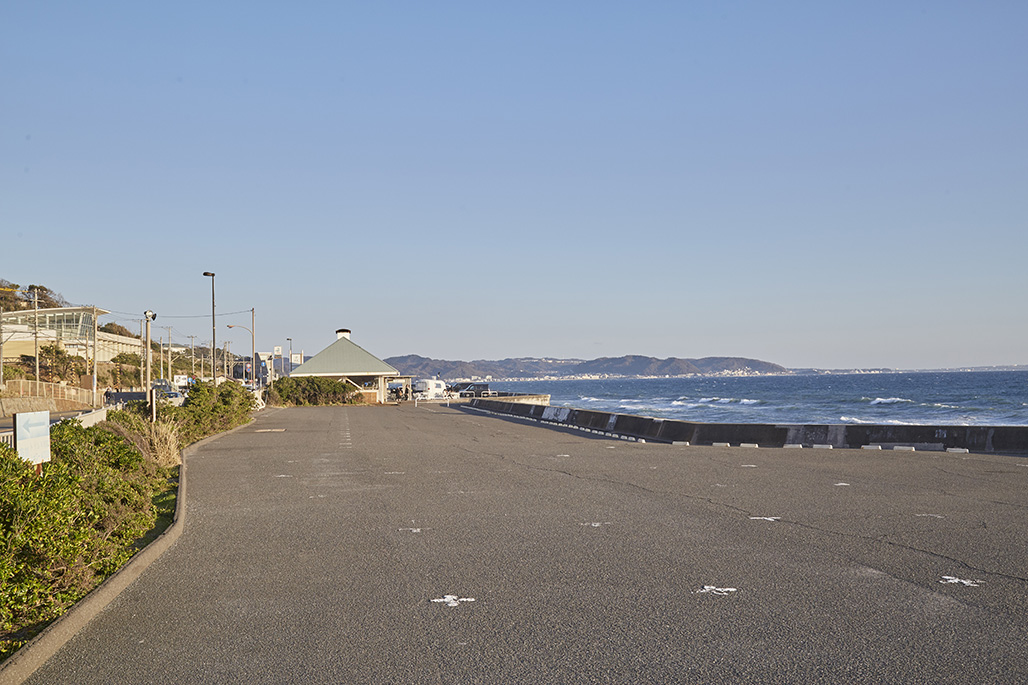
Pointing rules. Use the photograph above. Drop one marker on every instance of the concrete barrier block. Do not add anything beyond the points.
(682, 443)
(903, 448)
(793, 445)
(958, 450)
(748, 444)
(822, 447)
(870, 447)
(722, 444)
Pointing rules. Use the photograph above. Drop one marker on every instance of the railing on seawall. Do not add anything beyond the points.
(1012, 439)
(54, 391)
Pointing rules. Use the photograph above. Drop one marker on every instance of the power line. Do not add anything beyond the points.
(182, 316)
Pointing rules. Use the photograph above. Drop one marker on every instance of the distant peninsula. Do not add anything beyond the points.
(604, 367)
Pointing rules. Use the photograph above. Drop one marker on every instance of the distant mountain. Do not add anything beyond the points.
(530, 367)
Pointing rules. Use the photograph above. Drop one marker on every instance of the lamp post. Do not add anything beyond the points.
(150, 316)
(290, 356)
(253, 356)
(214, 342)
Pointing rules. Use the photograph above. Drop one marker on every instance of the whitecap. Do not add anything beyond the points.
(888, 422)
(890, 400)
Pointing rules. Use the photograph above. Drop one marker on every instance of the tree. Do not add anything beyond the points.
(57, 365)
(14, 297)
(48, 299)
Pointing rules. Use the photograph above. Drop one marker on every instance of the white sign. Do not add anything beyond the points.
(32, 436)
(278, 350)
(296, 358)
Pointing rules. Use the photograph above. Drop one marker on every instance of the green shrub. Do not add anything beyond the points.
(311, 390)
(63, 532)
(209, 410)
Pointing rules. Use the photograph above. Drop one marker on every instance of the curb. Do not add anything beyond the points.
(23, 663)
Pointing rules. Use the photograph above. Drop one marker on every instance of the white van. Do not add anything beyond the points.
(430, 389)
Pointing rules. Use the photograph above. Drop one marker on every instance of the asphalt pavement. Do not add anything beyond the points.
(438, 545)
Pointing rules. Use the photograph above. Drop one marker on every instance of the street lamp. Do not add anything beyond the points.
(290, 356)
(253, 356)
(150, 316)
(214, 342)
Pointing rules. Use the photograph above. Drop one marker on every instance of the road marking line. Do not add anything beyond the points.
(453, 600)
(714, 590)
(960, 581)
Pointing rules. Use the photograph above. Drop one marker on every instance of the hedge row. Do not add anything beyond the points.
(96, 503)
(63, 532)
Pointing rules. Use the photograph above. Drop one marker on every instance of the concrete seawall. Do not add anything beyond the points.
(972, 438)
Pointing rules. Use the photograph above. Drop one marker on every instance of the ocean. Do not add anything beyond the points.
(963, 398)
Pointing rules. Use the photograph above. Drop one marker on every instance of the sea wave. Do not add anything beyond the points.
(891, 400)
(887, 422)
(726, 400)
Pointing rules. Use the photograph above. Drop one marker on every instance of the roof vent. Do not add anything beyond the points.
(343, 333)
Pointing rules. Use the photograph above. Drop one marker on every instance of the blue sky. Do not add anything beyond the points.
(813, 184)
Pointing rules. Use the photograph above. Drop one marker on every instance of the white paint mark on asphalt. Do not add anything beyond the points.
(410, 530)
(841, 484)
(765, 518)
(595, 524)
(453, 600)
(960, 581)
(283, 475)
(270, 430)
(714, 590)
(610, 447)
(563, 455)
(748, 466)
(934, 516)
(394, 473)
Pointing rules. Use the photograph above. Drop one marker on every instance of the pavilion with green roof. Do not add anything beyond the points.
(345, 360)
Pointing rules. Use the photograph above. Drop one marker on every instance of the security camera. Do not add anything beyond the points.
(150, 316)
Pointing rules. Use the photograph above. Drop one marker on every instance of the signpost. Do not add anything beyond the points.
(32, 436)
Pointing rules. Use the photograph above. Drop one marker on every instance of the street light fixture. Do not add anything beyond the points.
(214, 342)
(150, 317)
(290, 356)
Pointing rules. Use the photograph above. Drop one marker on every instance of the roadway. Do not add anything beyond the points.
(439, 545)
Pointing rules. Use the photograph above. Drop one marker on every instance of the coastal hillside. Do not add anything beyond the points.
(631, 365)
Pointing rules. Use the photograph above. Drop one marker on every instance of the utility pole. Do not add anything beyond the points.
(35, 324)
(143, 355)
(192, 352)
(168, 328)
(94, 354)
(214, 335)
